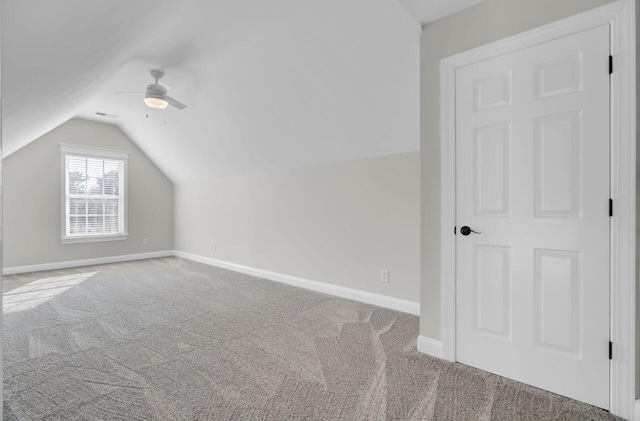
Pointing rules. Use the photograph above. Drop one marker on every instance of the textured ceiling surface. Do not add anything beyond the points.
(268, 85)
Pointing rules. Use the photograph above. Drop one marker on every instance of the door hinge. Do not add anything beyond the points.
(610, 207)
(454, 230)
(610, 65)
(610, 350)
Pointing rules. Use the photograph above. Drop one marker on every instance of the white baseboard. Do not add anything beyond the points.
(430, 346)
(85, 262)
(404, 306)
(398, 304)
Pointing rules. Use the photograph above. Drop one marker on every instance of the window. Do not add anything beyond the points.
(94, 194)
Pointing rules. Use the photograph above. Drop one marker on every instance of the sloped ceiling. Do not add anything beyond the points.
(425, 11)
(268, 85)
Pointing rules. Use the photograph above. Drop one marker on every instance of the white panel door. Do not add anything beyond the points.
(532, 178)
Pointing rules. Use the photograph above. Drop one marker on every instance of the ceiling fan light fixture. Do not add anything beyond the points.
(155, 101)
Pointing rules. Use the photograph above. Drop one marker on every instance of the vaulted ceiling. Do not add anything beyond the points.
(425, 11)
(268, 84)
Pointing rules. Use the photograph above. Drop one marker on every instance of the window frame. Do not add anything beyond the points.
(99, 153)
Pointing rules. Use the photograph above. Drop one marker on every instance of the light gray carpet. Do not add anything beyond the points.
(169, 339)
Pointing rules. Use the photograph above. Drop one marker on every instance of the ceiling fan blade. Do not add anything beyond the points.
(175, 103)
(164, 84)
(130, 93)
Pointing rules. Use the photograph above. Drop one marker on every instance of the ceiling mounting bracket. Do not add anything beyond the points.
(156, 74)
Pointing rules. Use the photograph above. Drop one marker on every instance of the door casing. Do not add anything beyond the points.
(620, 15)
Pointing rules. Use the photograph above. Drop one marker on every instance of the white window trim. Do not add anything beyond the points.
(93, 152)
(620, 15)
(68, 149)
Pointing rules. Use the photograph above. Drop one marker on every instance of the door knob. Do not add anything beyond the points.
(466, 231)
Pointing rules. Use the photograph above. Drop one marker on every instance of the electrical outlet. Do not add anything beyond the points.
(145, 242)
(384, 275)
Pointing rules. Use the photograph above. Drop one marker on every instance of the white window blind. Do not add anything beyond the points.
(94, 196)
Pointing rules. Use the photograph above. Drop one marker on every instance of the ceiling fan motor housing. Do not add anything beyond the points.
(155, 98)
(156, 89)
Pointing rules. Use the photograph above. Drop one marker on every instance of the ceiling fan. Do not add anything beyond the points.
(156, 93)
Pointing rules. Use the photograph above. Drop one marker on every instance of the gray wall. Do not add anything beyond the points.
(637, 206)
(483, 23)
(339, 223)
(32, 199)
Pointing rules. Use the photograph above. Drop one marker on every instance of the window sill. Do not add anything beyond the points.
(94, 239)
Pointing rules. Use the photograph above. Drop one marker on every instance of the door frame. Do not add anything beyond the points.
(620, 15)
